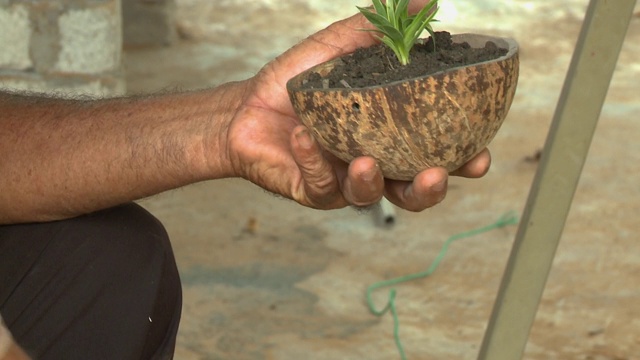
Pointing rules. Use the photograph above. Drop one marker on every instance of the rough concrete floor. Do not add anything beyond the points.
(266, 279)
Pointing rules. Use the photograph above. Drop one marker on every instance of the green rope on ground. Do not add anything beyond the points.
(509, 218)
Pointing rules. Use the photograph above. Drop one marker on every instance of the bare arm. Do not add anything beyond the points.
(61, 158)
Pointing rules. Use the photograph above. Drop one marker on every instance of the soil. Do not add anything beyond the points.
(378, 65)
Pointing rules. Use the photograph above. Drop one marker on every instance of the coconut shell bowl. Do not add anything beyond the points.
(440, 119)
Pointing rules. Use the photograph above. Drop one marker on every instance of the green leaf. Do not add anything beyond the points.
(403, 9)
(390, 44)
(417, 23)
(399, 30)
(393, 33)
(407, 22)
(391, 12)
(376, 19)
(421, 21)
(401, 53)
(433, 36)
(380, 9)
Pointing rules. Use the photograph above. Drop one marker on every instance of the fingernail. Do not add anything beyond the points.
(370, 174)
(439, 186)
(304, 139)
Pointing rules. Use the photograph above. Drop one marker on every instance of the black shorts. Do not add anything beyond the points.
(99, 286)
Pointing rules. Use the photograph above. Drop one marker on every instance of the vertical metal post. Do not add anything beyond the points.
(554, 185)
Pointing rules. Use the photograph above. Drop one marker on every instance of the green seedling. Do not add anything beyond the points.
(397, 29)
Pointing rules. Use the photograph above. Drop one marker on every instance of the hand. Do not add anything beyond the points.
(268, 145)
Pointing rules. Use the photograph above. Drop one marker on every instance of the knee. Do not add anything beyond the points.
(114, 268)
(129, 242)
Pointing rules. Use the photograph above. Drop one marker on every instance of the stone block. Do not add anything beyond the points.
(71, 47)
(15, 35)
(90, 39)
(148, 22)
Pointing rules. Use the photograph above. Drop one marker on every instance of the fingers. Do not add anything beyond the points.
(344, 36)
(430, 186)
(324, 185)
(476, 167)
(340, 38)
(319, 186)
(327, 185)
(364, 183)
(427, 189)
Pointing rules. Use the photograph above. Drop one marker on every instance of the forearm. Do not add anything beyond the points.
(62, 158)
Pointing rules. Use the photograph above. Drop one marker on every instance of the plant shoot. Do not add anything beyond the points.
(397, 29)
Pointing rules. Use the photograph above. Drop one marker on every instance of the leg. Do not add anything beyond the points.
(101, 286)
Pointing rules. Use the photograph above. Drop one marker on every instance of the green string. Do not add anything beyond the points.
(509, 218)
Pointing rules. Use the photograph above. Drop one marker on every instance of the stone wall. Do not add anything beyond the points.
(74, 47)
(66, 46)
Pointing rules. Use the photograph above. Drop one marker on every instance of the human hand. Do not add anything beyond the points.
(268, 145)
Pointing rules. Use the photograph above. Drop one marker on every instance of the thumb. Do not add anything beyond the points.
(339, 38)
(319, 184)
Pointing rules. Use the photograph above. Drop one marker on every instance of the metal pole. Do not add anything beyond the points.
(564, 154)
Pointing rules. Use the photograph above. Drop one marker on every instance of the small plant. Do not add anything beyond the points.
(399, 30)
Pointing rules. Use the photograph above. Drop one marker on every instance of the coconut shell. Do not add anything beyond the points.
(441, 119)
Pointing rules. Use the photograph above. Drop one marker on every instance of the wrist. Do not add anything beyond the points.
(228, 100)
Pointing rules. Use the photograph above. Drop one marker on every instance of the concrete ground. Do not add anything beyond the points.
(265, 278)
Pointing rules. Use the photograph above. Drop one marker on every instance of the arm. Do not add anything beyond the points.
(62, 158)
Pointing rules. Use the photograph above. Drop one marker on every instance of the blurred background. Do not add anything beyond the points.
(264, 278)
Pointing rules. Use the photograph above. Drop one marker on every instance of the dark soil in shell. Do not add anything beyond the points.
(378, 65)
